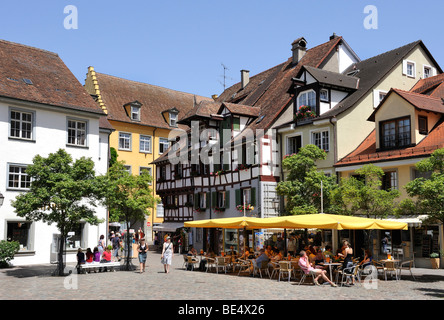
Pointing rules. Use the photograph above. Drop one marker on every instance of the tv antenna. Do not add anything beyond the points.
(225, 77)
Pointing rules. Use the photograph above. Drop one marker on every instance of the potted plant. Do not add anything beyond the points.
(434, 259)
(304, 112)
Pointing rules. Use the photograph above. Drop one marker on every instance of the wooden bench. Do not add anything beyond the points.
(95, 265)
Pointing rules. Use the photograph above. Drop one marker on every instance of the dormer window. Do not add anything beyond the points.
(135, 113)
(395, 133)
(173, 119)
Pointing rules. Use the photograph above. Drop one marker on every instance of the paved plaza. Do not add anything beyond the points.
(36, 283)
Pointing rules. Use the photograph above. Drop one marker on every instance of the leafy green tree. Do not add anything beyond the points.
(363, 196)
(302, 186)
(427, 195)
(62, 191)
(7, 251)
(128, 198)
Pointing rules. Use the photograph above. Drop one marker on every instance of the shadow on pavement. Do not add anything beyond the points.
(438, 293)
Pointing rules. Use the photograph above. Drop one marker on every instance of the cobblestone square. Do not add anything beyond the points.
(36, 283)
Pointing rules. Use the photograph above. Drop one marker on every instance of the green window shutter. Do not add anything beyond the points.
(216, 167)
(196, 200)
(226, 166)
(227, 199)
(238, 197)
(253, 196)
(214, 199)
(236, 123)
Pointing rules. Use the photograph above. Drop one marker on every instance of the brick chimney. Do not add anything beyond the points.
(245, 78)
(299, 48)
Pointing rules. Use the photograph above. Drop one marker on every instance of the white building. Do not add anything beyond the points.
(43, 108)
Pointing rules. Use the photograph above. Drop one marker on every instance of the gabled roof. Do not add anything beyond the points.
(419, 101)
(432, 86)
(366, 152)
(370, 72)
(270, 90)
(332, 78)
(240, 109)
(116, 92)
(51, 82)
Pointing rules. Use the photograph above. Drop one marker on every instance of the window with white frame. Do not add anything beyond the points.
(427, 72)
(221, 199)
(128, 169)
(163, 145)
(390, 180)
(323, 95)
(246, 196)
(173, 119)
(321, 140)
(135, 113)
(307, 98)
(145, 144)
(19, 231)
(294, 144)
(18, 179)
(145, 170)
(409, 68)
(124, 141)
(202, 200)
(77, 132)
(21, 124)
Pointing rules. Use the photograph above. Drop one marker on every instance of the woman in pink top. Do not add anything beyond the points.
(308, 269)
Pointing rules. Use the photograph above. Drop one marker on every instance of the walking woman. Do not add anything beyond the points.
(142, 249)
(167, 254)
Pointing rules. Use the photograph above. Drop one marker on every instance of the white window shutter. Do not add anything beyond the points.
(404, 67)
(434, 72)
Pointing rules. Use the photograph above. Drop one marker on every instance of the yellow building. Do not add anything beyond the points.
(408, 127)
(143, 116)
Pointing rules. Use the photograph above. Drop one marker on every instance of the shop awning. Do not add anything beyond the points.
(168, 226)
(412, 221)
(226, 223)
(307, 221)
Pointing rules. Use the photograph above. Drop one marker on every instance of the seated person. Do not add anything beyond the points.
(89, 256)
(367, 259)
(307, 268)
(244, 255)
(277, 255)
(80, 258)
(328, 252)
(319, 257)
(269, 251)
(96, 254)
(262, 257)
(106, 257)
(203, 262)
(192, 251)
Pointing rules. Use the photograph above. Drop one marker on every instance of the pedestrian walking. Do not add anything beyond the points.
(101, 245)
(142, 249)
(116, 247)
(167, 254)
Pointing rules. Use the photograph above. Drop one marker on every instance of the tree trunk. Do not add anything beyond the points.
(60, 264)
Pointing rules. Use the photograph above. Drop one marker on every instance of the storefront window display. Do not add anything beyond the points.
(425, 241)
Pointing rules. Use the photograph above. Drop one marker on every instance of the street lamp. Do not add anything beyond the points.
(2, 199)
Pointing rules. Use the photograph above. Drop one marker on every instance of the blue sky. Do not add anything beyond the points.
(182, 44)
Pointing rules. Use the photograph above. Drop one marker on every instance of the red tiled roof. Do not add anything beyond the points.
(366, 151)
(52, 82)
(117, 92)
(419, 101)
(428, 85)
(269, 90)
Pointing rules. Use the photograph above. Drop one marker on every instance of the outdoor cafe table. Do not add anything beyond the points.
(330, 267)
(391, 264)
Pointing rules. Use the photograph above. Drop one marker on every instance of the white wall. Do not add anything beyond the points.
(50, 135)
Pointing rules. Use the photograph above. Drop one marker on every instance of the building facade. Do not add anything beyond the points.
(40, 114)
(143, 117)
